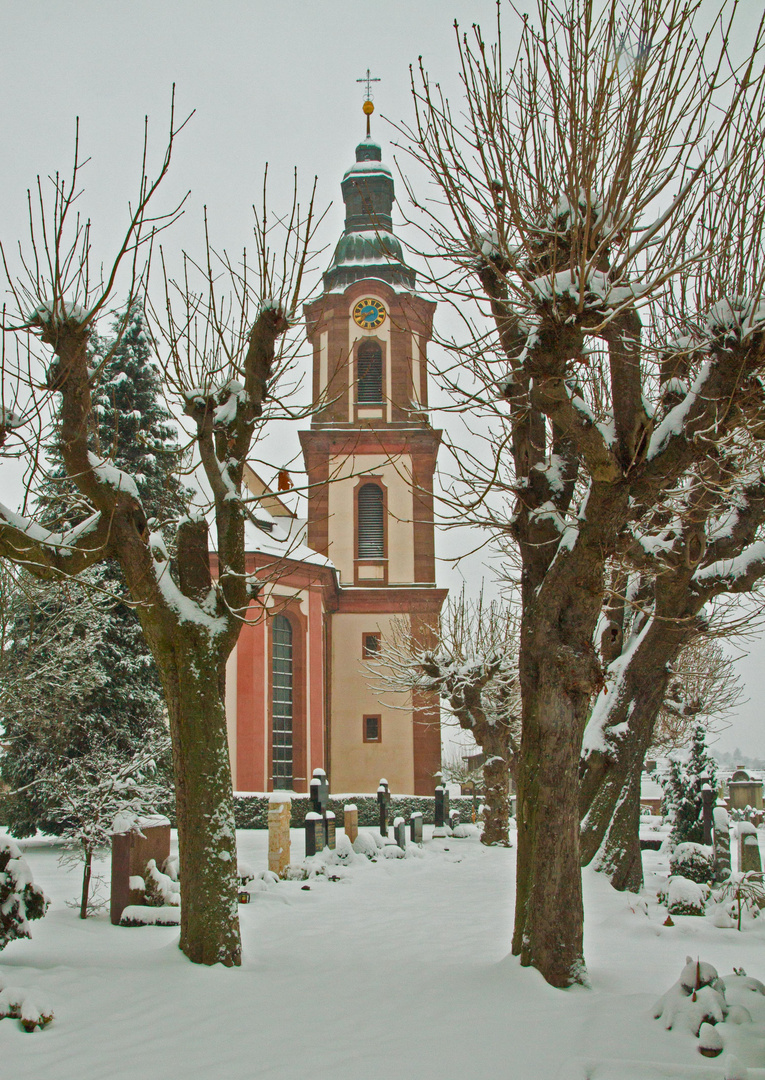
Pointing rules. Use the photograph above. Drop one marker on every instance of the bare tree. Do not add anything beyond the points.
(470, 661)
(226, 330)
(597, 202)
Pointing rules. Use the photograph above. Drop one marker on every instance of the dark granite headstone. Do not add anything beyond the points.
(383, 799)
(707, 803)
(441, 811)
(319, 791)
(399, 832)
(415, 827)
(454, 819)
(314, 834)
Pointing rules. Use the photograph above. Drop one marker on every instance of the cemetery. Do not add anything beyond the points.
(458, 447)
(392, 909)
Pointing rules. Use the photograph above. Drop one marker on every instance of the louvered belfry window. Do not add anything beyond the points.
(370, 373)
(282, 701)
(371, 538)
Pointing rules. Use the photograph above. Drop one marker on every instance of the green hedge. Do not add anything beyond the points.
(251, 811)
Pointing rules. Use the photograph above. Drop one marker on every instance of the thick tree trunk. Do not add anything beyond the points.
(619, 856)
(611, 773)
(496, 817)
(204, 800)
(549, 914)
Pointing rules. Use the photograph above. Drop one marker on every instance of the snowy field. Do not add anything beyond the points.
(400, 969)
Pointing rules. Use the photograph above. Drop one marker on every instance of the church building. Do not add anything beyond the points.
(298, 694)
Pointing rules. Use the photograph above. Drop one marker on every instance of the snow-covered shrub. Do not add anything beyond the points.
(20, 899)
(245, 873)
(693, 861)
(364, 844)
(744, 892)
(710, 1040)
(159, 889)
(170, 867)
(683, 896)
(696, 998)
(146, 915)
(27, 1006)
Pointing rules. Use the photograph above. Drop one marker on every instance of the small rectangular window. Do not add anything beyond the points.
(370, 646)
(372, 729)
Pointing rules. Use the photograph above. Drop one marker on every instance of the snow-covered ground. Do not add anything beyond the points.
(400, 969)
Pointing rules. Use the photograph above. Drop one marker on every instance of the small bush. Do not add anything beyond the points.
(684, 897)
(20, 899)
(693, 861)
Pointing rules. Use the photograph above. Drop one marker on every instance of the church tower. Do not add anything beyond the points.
(370, 456)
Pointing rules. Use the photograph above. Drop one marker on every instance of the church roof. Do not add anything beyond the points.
(368, 247)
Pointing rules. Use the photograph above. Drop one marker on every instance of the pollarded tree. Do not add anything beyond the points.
(602, 214)
(225, 353)
(470, 661)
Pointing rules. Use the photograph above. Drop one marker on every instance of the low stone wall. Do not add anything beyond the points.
(251, 811)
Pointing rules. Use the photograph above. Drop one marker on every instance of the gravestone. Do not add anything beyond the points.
(329, 830)
(441, 811)
(314, 833)
(351, 821)
(319, 791)
(149, 838)
(279, 810)
(454, 819)
(415, 827)
(707, 805)
(721, 843)
(748, 848)
(383, 800)
(399, 832)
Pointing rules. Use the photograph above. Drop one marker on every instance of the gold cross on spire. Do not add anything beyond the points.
(367, 107)
(368, 80)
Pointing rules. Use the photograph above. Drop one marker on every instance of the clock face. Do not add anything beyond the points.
(369, 314)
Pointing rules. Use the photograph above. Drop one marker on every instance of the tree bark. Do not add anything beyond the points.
(549, 914)
(494, 741)
(204, 800)
(619, 855)
(86, 872)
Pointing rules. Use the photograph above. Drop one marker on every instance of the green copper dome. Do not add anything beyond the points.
(368, 248)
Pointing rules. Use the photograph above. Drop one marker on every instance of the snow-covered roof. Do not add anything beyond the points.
(284, 540)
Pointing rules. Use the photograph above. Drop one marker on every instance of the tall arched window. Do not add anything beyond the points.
(371, 523)
(282, 672)
(370, 366)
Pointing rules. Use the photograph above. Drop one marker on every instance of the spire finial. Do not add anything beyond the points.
(368, 108)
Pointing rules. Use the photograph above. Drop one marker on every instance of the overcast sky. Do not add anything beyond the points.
(269, 82)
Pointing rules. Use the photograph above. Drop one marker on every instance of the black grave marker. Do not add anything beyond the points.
(314, 834)
(383, 799)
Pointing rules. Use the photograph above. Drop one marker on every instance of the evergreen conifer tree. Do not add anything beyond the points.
(120, 702)
(683, 788)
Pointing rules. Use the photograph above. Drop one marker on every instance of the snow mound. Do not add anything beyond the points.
(143, 915)
(27, 1006)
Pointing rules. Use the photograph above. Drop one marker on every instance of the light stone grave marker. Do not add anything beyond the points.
(748, 848)
(279, 811)
(351, 821)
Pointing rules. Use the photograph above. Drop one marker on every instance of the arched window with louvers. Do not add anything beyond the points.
(370, 535)
(369, 385)
(282, 702)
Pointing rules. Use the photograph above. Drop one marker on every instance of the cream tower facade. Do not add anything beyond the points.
(368, 556)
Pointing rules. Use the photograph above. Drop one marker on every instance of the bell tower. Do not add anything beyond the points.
(370, 455)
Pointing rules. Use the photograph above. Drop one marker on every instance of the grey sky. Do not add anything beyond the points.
(270, 82)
